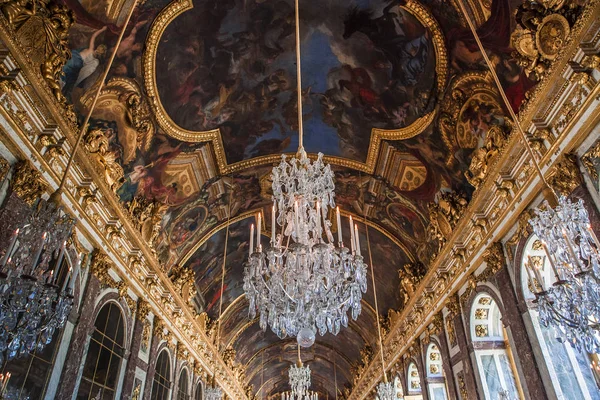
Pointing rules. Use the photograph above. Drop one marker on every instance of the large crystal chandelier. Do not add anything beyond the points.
(32, 305)
(571, 304)
(303, 283)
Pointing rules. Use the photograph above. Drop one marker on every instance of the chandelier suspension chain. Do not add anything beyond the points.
(335, 375)
(223, 267)
(374, 288)
(505, 100)
(299, 77)
(84, 126)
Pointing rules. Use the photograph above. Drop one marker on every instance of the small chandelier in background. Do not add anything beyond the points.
(571, 305)
(299, 382)
(213, 392)
(303, 282)
(386, 391)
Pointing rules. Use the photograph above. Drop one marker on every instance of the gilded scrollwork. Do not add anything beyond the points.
(146, 216)
(4, 169)
(42, 27)
(445, 214)
(543, 27)
(184, 280)
(27, 182)
(565, 175)
(120, 101)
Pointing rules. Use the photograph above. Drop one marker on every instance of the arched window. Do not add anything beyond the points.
(494, 361)
(436, 383)
(104, 356)
(161, 383)
(183, 387)
(198, 392)
(414, 381)
(571, 375)
(30, 374)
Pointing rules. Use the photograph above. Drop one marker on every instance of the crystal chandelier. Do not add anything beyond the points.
(303, 282)
(32, 305)
(299, 382)
(571, 304)
(213, 392)
(386, 391)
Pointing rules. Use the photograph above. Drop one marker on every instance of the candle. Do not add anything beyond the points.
(251, 240)
(339, 225)
(536, 271)
(64, 285)
(530, 278)
(357, 239)
(76, 272)
(570, 247)
(351, 234)
(258, 232)
(59, 262)
(554, 269)
(11, 246)
(273, 225)
(39, 253)
(327, 228)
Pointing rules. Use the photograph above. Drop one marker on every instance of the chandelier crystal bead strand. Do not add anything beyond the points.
(303, 283)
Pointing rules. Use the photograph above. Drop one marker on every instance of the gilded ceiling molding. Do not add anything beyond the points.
(27, 182)
(41, 29)
(589, 160)
(166, 123)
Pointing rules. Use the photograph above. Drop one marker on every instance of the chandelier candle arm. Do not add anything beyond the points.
(251, 240)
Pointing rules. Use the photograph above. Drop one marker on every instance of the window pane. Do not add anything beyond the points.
(113, 371)
(510, 383)
(92, 356)
(491, 376)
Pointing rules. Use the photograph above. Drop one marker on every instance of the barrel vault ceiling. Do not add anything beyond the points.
(200, 104)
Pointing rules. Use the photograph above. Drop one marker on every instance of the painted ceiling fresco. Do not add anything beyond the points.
(200, 102)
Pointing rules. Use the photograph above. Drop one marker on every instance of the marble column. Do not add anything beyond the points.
(84, 324)
(134, 360)
(447, 364)
(465, 355)
(522, 350)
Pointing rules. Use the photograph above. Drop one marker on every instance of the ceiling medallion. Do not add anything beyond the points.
(303, 283)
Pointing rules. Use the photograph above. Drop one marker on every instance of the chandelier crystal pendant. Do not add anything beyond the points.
(572, 303)
(303, 283)
(32, 305)
(386, 391)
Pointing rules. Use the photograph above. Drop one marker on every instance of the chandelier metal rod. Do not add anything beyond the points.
(223, 267)
(56, 195)
(505, 100)
(374, 294)
(335, 376)
(299, 78)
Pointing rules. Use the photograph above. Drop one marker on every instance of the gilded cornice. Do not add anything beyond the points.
(554, 107)
(177, 7)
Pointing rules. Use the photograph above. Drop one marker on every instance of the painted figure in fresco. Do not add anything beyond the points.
(495, 37)
(82, 64)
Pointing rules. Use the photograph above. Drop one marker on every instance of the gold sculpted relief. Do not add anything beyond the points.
(27, 182)
(542, 30)
(444, 215)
